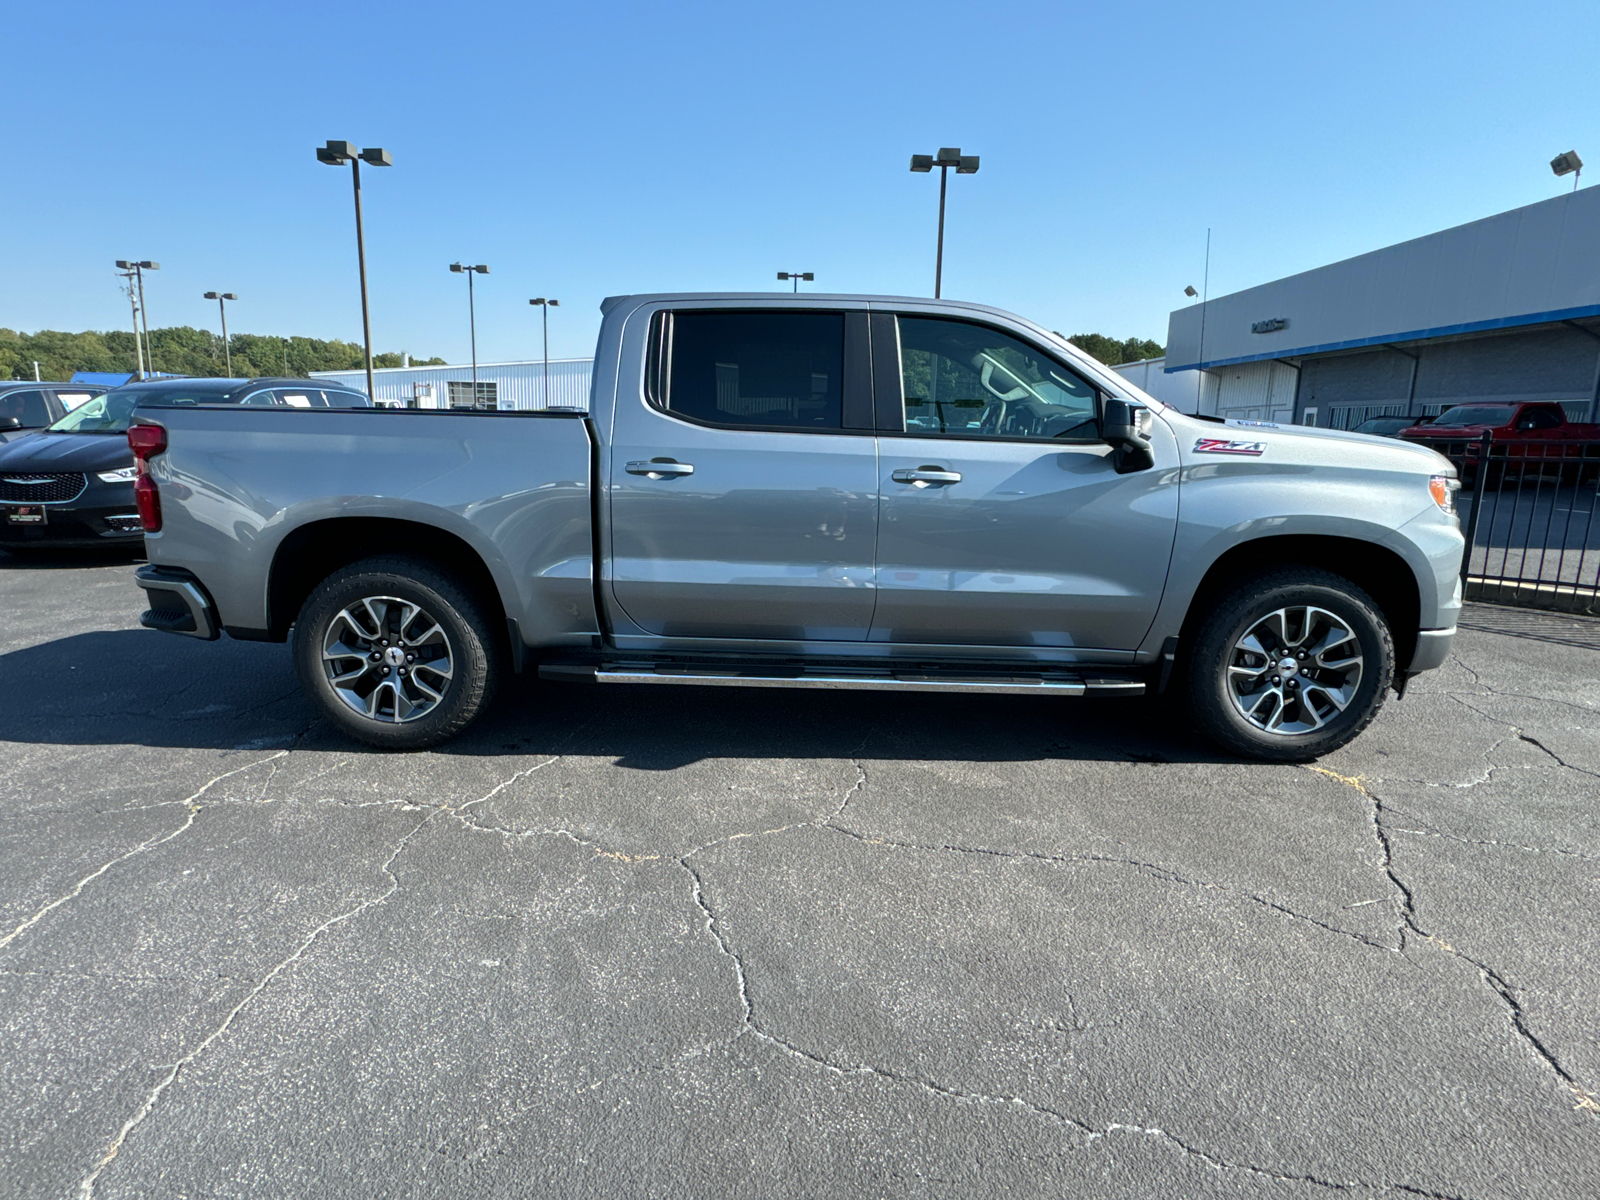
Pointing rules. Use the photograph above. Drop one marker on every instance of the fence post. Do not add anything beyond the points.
(1478, 484)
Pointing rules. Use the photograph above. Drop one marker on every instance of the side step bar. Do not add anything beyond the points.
(1052, 684)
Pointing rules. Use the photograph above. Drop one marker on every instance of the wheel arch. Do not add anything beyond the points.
(1377, 570)
(312, 552)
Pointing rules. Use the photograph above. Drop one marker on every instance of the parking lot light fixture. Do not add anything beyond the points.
(472, 316)
(965, 164)
(227, 351)
(336, 154)
(544, 309)
(797, 276)
(1568, 164)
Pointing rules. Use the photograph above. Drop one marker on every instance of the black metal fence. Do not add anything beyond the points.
(1531, 514)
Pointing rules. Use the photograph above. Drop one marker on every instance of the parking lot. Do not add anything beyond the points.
(696, 942)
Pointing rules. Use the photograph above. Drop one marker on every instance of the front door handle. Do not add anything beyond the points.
(927, 476)
(659, 468)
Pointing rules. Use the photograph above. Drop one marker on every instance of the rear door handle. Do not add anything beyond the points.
(926, 476)
(659, 468)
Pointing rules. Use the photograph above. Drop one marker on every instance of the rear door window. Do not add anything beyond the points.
(755, 370)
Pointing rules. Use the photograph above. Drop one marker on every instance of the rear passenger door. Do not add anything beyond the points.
(742, 480)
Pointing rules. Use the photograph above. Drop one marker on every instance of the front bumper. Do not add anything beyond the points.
(179, 603)
(103, 514)
(1433, 647)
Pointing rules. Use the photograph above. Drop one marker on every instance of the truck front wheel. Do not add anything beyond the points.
(395, 653)
(1290, 665)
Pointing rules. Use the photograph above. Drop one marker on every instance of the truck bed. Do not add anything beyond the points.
(515, 487)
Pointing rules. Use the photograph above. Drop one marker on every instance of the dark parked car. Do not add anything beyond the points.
(71, 484)
(26, 407)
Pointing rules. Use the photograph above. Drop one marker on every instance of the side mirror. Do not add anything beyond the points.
(10, 423)
(1127, 427)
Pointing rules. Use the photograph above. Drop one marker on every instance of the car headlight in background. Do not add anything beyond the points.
(1443, 489)
(122, 475)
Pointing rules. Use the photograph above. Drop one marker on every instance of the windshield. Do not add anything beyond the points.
(1475, 414)
(113, 412)
(110, 413)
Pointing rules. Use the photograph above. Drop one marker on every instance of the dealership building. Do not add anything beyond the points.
(1503, 309)
(506, 386)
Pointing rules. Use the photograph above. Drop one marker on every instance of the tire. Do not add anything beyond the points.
(1293, 702)
(436, 666)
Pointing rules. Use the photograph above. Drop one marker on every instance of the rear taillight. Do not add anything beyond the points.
(146, 441)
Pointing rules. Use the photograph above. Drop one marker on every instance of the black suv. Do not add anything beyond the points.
(71, 484)
(25, 407)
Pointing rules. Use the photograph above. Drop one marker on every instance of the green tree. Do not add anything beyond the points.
(1112, 352)
(179, 350)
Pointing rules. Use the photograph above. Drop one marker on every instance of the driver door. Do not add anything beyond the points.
(1002, 519)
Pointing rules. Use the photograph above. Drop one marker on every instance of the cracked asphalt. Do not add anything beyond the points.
(709, 943)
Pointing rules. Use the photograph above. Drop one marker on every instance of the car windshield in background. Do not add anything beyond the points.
(110, 413)
(1476, 414)
(1385, 425)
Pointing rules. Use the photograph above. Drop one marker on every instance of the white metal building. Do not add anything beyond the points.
(1506, 308)
(505, 385)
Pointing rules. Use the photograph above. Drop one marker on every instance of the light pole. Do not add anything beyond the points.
(544, 311)
(227, 351)
(1568, 164)
(949, 156)
(137, 269)
(472, 317)
(797, 276)
(133, 304)
(336, 154)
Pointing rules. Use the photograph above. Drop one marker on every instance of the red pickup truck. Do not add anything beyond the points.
(1517, 431)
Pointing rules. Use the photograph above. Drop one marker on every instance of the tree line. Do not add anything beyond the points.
(1112, 352)
(181, 350)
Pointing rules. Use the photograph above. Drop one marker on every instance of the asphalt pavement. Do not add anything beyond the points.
(686, 942)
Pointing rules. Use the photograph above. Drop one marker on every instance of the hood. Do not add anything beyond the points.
(1308, 445)
(43, 453)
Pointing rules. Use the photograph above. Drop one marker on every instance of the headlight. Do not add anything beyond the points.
(1444, 489)
(125, 475)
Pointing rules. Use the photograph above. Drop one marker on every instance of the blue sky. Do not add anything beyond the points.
(584, 150)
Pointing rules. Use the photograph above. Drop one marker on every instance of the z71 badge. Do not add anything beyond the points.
(1225, 446)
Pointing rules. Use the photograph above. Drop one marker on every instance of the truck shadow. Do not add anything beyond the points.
(134, 687)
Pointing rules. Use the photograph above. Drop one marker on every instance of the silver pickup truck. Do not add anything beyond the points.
(814, 491)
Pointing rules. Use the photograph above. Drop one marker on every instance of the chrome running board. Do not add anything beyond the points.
(1052, 684)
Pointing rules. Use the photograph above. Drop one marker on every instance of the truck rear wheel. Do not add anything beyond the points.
(395, 653)
(1289, 665)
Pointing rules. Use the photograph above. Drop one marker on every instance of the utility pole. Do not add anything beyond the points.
(227, 351)
(127, 272)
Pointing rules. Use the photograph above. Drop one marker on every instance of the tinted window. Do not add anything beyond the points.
(779, 370)
(1539, 418)
(1488, 414)
(963, 380)
(28, 407)
(334, 398)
